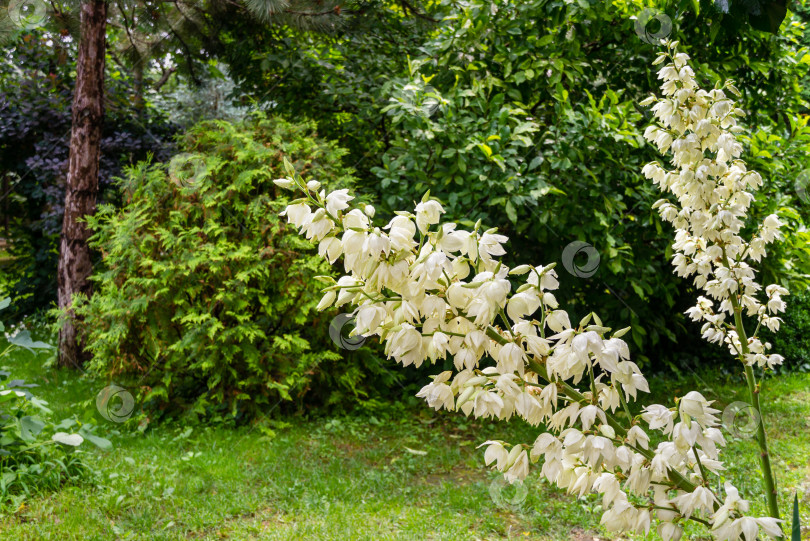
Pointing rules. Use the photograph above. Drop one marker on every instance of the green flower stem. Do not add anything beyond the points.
(768, 477)
(700, 466)
(626, 407)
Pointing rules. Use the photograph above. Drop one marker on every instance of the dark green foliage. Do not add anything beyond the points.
(791, 341)
(205, 300)
(524, 115)
(341, 79)
(36, 87)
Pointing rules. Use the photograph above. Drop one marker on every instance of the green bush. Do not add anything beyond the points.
(205, 300)
(525, 117)
(524, 114)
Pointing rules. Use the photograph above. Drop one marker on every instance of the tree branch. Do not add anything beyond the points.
(407, 6)
(164, 78)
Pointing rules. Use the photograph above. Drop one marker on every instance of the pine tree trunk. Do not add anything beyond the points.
(137, 85)
(82, 180)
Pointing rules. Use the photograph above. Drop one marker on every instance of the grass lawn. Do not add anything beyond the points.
(412, 474)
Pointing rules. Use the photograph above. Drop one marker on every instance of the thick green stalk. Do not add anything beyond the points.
(764, 457)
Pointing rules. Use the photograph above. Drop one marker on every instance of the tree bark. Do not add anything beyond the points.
(75, 264)
(137, 84)
(5, 195)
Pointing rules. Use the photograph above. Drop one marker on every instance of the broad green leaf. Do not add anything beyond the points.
(23, 340)
(30, 427)
(485, 149)
(101, 443)
(511, 212)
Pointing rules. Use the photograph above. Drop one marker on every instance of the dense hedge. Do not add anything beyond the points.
(524, 114)
(526, 118)
(205, 300)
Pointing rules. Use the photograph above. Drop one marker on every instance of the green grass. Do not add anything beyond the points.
(346, 478)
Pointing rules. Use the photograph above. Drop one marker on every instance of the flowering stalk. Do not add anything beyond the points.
(431, 290)
(713, 190)
(768, 477)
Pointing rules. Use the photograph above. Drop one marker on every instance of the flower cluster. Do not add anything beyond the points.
(431, 290)
(713, 190)
(14, 331)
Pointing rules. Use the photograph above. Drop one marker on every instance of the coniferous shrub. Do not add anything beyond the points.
(205, 300)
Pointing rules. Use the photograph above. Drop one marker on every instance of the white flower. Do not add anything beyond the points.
(488, 404)
(427, 214)
(658, 416)
(558, 321)
(637, 437)
(495, 453)
(437, 393)
(588, 414)
(700, 499)
(523, 304)
(330, 249)
(285, 183)
(694, 405)
(297, 214)
(368, 318)
(669, 531)
(511, 358)
(490, 245)
(770, 526)
(520, 466)
(327, 300)
(416, 296)
(337, 201)
(402, 231)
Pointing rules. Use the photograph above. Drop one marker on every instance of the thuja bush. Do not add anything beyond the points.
(432, 291)
(205, 301)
